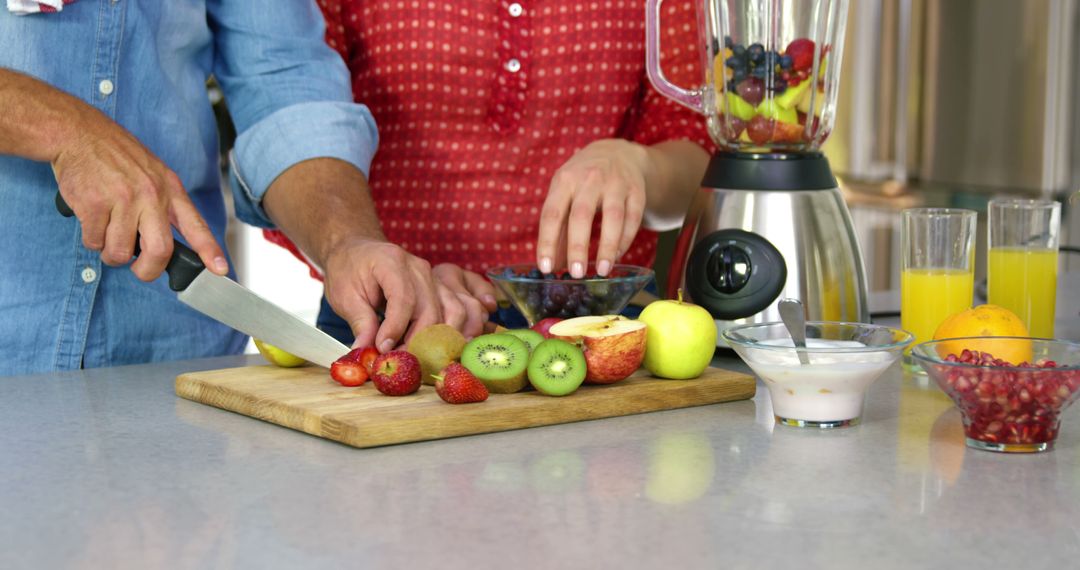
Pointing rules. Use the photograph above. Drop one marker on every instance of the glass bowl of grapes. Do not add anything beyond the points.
(558, 295)
(1006, 407)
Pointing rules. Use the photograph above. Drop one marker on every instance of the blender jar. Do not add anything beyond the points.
(771, 67)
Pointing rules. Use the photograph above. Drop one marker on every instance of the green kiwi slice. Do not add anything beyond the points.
(529, 336)
(556, 368)
(497, 360)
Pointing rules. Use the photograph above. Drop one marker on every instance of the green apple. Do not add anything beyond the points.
(681, 339)
(770, 109)
(276, 356)
(739, 107)
(793, 94)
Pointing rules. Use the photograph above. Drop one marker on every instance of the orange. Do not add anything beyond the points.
(985, 321)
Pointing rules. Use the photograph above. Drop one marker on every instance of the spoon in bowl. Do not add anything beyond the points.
(794, 317)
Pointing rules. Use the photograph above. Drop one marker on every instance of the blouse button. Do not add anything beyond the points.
(515, 10)
(513, 66)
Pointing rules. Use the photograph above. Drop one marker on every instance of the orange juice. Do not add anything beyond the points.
(929, 296)
(1024, 280)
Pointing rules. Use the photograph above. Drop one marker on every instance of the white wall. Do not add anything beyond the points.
(274, 274)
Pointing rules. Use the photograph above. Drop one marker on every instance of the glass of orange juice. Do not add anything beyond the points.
(1022, 273)
(937, 269)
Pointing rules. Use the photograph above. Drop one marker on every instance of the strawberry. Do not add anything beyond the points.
(396, 373)
(456, 385)
(367, 358)
(349, 370)
(802, 53)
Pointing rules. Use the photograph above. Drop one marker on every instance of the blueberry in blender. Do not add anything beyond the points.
(535, 273)
(755, 53)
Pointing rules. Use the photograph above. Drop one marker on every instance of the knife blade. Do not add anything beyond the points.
(230, 303)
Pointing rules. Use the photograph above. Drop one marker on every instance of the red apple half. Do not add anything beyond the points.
(614, 346)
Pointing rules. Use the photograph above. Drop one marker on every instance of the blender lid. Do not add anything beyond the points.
(769, 171)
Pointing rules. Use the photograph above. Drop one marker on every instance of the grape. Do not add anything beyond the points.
(760, 129)
(734, 127)
(752, 90)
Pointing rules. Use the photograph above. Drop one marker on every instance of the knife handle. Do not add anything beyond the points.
(184, 264)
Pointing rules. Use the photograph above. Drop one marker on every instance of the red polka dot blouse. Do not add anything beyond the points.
(478, 103)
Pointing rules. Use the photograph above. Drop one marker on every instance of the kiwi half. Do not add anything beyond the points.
(556, 368)
(435, 346)
(497, 360)
(529, 336)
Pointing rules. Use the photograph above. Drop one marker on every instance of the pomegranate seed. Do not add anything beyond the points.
(1003, 404)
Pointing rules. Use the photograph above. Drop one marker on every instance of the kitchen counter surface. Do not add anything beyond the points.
(108, 468)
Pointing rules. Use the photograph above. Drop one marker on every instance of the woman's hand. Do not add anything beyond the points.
(607, 177)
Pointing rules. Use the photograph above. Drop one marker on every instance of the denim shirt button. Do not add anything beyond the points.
(88, 275)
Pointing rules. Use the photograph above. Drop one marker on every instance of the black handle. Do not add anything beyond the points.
(184, 264)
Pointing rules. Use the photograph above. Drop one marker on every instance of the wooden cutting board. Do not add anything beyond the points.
(306, 399)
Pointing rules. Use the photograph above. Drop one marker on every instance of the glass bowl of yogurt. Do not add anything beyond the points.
(843, 360)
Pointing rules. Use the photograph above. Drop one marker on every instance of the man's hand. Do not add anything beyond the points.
(363, 275)
(323, 205)
(114, 184)
(607, 176)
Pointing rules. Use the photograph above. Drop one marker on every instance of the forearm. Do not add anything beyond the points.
(674, 175)
(321, 203)
(35, 118)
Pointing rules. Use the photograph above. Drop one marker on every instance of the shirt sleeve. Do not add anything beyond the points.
(288, 93)
(658, 118)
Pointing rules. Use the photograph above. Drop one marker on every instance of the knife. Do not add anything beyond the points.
(228, 302)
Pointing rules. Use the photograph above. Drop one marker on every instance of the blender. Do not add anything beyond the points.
(769, 222)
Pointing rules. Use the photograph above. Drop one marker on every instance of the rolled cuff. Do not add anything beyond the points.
(330, 129)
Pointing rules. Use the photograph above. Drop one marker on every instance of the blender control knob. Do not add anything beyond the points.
(729, 269)
(734, 273)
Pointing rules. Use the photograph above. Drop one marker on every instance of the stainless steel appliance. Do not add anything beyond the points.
(770, 221)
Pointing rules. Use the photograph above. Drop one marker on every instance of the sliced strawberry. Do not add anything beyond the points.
(349, 370)
(367, 358)
(456, 385)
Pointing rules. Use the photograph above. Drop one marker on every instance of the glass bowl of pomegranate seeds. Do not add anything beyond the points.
(558, 295)
(1006, 407)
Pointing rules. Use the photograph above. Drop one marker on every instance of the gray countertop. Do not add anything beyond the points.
(108, 468)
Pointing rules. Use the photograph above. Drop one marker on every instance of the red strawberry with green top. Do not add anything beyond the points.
(349, 370)
(802, 53)
(456, 385)
(396, 373)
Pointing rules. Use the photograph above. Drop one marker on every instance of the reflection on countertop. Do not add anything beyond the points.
(133, 475)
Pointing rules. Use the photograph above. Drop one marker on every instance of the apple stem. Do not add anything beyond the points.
(680, 295)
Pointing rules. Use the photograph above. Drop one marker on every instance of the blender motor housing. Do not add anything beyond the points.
(766, 227)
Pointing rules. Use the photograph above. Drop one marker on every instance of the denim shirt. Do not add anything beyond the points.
(145, 65)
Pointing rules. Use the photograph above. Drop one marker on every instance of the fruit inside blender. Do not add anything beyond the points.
(769, 98)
